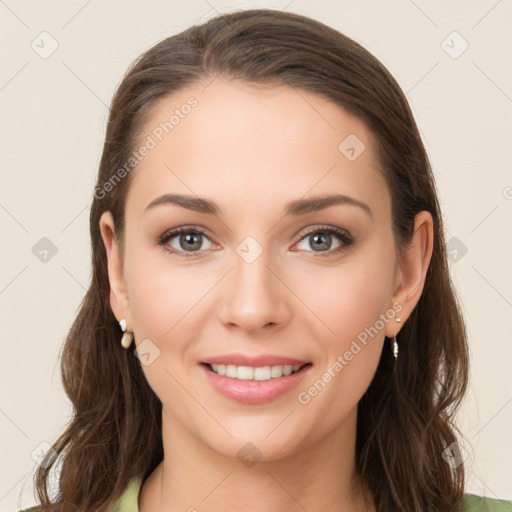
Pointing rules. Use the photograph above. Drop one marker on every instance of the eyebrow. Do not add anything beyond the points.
(295, 208)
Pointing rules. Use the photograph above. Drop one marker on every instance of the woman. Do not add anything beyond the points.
(266, 232)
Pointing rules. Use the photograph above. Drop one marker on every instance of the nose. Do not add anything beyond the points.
(253, 296)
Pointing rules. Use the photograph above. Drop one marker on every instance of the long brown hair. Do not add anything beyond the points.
(406, 417)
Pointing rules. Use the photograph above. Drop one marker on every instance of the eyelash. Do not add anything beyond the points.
(342, 235)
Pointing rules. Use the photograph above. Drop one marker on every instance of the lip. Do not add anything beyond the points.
(254, 391)
(255, 361)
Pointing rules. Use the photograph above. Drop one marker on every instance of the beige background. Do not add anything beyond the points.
(53, 113)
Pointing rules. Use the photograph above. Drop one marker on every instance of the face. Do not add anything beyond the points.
(253, 272)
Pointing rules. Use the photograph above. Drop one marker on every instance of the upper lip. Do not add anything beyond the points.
(255, 361)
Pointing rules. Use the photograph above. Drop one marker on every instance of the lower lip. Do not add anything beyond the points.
(254, 391)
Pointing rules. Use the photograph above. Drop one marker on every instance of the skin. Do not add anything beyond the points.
(252, 149)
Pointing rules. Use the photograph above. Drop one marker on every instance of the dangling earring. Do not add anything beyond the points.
(395, 343)
(127, 338)
(395, 347)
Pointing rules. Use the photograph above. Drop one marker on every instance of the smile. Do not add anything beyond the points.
(254, 373)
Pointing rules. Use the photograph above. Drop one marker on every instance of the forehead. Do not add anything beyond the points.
(240, 142)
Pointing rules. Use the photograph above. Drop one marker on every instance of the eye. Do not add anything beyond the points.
(184, 241)
(187, 241)
(320, 240)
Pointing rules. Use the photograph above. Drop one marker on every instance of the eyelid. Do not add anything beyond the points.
(323, 228)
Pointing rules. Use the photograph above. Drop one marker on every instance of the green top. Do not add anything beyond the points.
(128, 502)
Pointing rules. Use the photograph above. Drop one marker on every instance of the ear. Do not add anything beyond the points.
(119, 300)
(412, 269)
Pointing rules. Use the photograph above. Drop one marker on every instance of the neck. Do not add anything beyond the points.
(193, 477)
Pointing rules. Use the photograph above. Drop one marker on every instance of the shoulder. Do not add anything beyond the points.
(127, 502)
(474, 503)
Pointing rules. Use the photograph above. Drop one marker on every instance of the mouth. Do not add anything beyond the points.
(254, 385)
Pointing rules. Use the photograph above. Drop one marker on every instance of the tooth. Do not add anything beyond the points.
(231, 371)
(262, 373)
(221, 370)
(287, 369)
(277, 371)
(245, 373)
(296, 367)
(215, 367)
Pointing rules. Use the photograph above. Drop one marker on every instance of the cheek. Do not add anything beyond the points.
(162, 293)
(350, 358)
(350, 303)
(350, 297)
(168, 303)
(162, 300)
(156, 303)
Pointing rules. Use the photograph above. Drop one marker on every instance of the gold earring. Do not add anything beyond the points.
(127, 338)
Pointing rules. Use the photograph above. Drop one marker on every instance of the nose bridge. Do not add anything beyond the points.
(254, 297)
